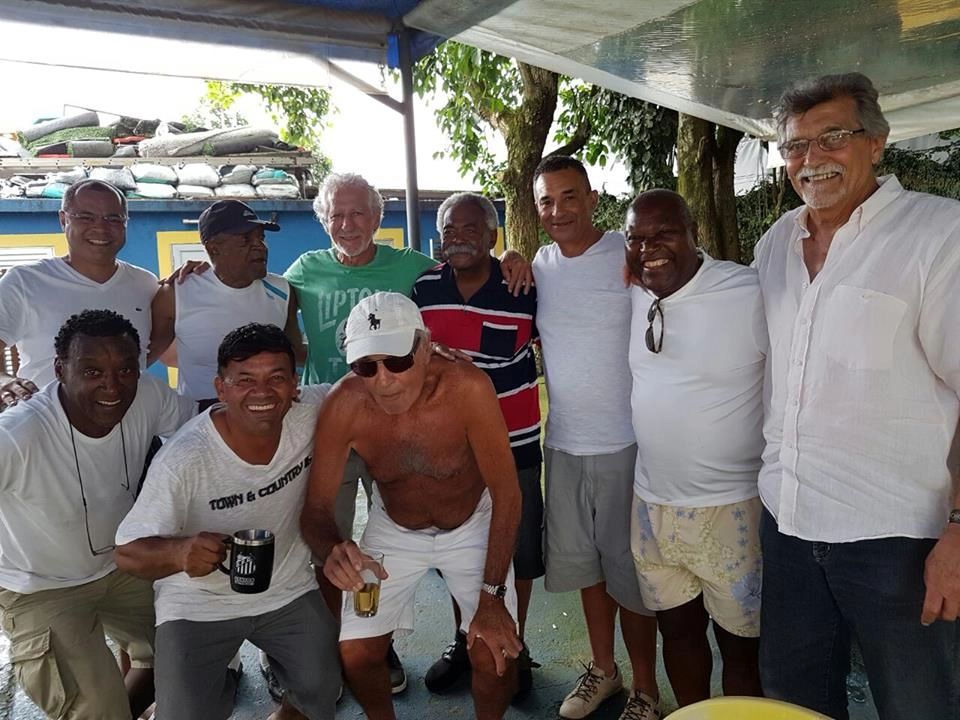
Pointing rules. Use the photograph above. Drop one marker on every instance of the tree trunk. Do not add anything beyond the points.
(525, 132)
(705, 158)
(724, 196)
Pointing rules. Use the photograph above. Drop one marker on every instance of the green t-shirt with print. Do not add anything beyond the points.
(327, 291)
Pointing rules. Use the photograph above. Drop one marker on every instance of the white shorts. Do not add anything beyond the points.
(460, 554)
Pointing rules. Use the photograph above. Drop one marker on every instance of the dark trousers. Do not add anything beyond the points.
(817, 595)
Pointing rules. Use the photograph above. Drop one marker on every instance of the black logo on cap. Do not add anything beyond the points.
(374, 321)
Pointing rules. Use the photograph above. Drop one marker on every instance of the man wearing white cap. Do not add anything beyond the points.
(426, 428)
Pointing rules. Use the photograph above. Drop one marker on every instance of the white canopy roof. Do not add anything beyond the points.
(724, 60)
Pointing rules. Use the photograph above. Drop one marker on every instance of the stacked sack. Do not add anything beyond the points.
(276, 184)
(150, 181)
(153, 182)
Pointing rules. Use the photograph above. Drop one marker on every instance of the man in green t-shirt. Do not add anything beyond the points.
(328, 283)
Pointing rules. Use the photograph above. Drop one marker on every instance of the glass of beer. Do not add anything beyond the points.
(367, 599)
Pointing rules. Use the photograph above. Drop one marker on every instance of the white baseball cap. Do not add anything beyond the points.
(384, 323)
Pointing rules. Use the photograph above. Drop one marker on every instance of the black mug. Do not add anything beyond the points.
(251, 560)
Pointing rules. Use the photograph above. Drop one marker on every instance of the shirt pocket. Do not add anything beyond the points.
(860, 326)
(498, 339)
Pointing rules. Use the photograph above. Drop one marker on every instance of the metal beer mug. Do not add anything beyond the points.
(251, 560)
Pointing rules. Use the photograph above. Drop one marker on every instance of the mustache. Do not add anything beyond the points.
(455, 249)
(808, 171)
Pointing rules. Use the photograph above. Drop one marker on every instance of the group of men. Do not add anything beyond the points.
(709, 425)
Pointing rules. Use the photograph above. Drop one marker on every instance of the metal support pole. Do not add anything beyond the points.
(410, 144)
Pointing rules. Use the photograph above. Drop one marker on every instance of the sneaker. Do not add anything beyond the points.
(398, 676)
(273, 685)
(235, 667)
(592, 688)
(641, 706)
(525, 666)
(453, 663)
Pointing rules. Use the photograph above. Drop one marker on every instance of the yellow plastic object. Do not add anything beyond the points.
(744, 708)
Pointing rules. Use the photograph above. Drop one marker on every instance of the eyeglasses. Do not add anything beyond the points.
(828, 141)
(396, 363)
(83, 496)
(85, 218)
(654, 344)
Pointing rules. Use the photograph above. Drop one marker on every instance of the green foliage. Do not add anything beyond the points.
(611, 212)
(642, 134)
(918, 170)
(484, 90)
(759, 208)
(214, 110)
(480, 87)
(298, 112)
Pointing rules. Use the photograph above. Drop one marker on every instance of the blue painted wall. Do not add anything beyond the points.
(299, 229)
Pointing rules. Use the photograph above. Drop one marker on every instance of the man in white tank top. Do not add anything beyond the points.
(198, 313)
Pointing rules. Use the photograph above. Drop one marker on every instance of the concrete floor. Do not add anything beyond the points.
(555, 636)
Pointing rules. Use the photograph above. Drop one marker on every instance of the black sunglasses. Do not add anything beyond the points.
(654, 344)
(395, 363)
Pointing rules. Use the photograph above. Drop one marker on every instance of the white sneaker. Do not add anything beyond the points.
(592, 688)
(641, 706)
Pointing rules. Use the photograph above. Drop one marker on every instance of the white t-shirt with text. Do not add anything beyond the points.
(198, 484)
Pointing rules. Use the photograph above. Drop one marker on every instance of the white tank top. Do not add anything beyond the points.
(207, 310)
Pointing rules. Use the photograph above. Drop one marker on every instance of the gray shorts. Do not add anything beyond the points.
(586, 533)
(300, 638)
(528, 556)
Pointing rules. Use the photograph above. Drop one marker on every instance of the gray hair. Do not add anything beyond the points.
(804, 95)
(70, 194)
(484, 203)
(337, 181)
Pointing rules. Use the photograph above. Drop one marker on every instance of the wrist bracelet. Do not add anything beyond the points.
(954, 516)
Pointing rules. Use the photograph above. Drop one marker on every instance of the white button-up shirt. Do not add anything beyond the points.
(863, 372)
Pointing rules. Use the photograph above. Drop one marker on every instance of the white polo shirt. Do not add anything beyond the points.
(863, 370)
(697, 404)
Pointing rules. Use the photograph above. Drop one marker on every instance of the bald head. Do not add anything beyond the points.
(661, 239)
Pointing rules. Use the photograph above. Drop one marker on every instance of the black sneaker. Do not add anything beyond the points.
(525, 666)
(453, 663)
(398, 676)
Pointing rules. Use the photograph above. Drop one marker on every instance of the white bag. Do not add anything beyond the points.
(236, 190)
(120, 178)
(156, 191)
(198, 174)
(194, 191)
(150, 173)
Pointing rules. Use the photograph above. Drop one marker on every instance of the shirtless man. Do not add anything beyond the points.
(426, 428)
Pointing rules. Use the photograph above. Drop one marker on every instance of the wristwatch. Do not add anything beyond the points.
(954, 516)
(500, 591)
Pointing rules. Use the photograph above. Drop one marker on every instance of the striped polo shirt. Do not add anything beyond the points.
(496, 329)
